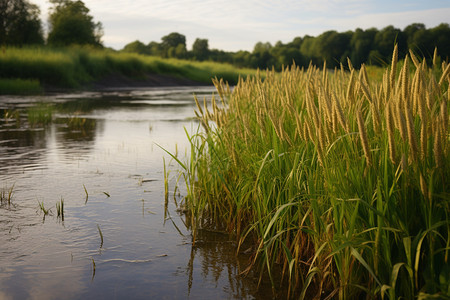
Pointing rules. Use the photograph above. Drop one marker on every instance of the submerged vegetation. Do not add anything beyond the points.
(339, 178)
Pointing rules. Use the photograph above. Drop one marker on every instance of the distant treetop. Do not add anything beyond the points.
(70, 23)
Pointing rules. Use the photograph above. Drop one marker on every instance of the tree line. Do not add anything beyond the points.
(370, 46)
(70, 23)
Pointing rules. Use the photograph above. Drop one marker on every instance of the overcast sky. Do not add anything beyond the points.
(234, 25)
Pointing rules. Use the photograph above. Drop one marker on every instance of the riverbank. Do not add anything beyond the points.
(43, 70)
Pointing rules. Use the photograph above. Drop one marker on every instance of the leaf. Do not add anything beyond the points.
(364, 263)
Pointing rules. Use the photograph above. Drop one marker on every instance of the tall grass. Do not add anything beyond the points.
(77, 66)
(340, 178)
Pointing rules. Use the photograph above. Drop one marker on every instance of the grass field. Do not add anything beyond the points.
(29, 70)
(338, 177)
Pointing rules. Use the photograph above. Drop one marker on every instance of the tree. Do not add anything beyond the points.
(70, 23)
(361, 44)
(170, 43)
(410, 30)
(385, 41)
(155, 48)
(441, 39)
(20, 23)
(136, 47)
(200, 49)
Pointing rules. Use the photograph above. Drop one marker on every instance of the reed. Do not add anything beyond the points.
(43, 209)
(101, 237)
(87, 194)
(60, 209)
(341, 208)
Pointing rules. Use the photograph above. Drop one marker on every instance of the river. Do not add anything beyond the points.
(116, 240)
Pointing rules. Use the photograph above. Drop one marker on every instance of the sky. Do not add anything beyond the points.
(234, 25)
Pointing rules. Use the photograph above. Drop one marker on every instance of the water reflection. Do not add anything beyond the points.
(105, 142)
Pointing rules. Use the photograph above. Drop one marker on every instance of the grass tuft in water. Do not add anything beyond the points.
(43, 209)
(101, 236)
(40, 114)
(87, 195)
(93, 269)
(60, 209)
(6, 195)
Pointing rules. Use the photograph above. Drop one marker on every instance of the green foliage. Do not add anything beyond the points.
(174, 45)
(136, 47)
(200, 49)
(71, 23)
(20, 23)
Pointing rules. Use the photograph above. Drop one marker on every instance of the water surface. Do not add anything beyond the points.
(114, 155)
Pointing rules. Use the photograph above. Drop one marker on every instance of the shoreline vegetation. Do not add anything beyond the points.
(35, 70)
(338, 178)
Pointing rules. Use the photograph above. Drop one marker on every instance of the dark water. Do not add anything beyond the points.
(144, 254)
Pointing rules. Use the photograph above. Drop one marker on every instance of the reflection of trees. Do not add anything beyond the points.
(75, 136)
(20, 147)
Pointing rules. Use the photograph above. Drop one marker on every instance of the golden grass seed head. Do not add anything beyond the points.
(386, 86)
(444, 118)
(401, 123)
(435, 56)
(350, 86)
(423, 141)
(198, 105)
(340, 114)
(437, 147)
(350, 65)
(376, 122)
(412, 140)
(428, 101)
(445, 74)
(405, 80)
(309, 130)
(365, 91)
(394, 65)
(390, 130)
(363, 137)
(414, 59)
